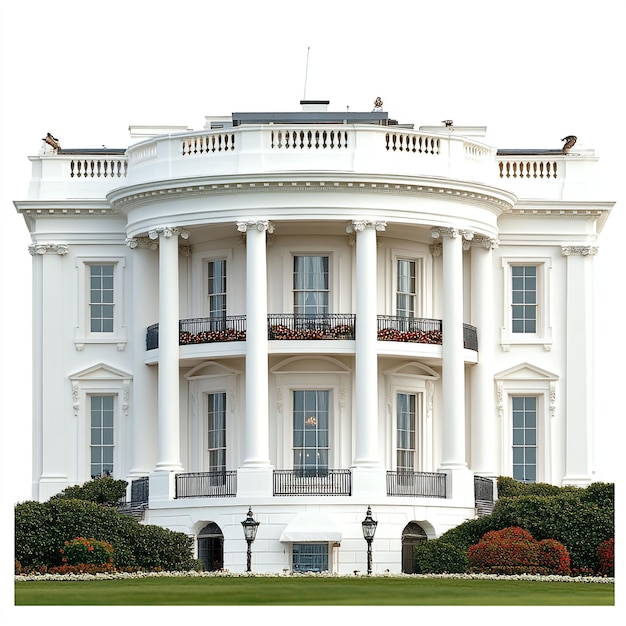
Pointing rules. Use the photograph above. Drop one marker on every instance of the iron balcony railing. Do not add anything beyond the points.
(483, 495)
(291, 326)
(312, 483)
(139, 491)
(416, 484)
(219, 484)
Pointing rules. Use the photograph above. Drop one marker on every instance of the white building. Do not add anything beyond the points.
(308, 314)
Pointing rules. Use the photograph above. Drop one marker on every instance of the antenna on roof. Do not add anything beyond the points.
(306, 71)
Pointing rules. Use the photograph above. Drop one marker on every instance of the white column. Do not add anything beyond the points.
(580, 366)
(453, 370)
(483, 422)
(144, 409)
(366, 429)
(52, 458)
(168, 438)
(256, 429)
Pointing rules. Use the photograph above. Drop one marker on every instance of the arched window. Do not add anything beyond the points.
(412, 534)
(211, 547)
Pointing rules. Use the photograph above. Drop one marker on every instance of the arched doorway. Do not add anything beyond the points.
(211, 547)
(412, 534)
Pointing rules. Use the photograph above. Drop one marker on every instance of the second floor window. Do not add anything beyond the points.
(310, 285)
(217, 288)
(524, 299)
(405, 288)
(216, 444)
(101, 298)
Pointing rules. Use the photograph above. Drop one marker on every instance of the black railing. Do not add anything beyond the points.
(139, 491)
(470, 337)
(290, 326)
(206, 484)
(409, 329)
(320, 483)
(203, 330)
(483, 495)
(416, 484)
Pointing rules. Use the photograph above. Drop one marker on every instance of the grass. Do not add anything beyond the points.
(173, 591)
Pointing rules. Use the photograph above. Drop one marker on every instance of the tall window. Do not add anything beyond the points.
(524, 299)
(310, 285)
(310, 557)
(405, 432)
(101, 435)
(310, 431)
(101, 298)
(217, 288)
(216, 445)
(525, 438)
(405, 288)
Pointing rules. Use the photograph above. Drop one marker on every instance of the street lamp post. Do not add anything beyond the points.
(369, 529)
(250, 526)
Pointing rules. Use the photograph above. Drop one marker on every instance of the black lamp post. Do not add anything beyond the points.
(250, 526)
(369, 529)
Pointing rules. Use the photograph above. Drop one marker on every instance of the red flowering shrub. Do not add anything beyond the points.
(81, 551)
(553, 557)
(513, 550)
(606, 558)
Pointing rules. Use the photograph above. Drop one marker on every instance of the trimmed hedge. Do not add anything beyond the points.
(579, 518)
(104, 490)
(41, 530)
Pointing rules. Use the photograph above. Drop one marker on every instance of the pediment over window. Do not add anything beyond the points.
(100, 372)
(308, 364)
(413, 369)
(208, 369)
(526, 371)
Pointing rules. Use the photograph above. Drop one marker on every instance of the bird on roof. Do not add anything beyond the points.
(378, 104)
(448, 123)
(570, 140)
(52, 141)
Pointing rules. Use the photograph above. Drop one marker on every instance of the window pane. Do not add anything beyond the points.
(311, 437)
(216, 431)
(524, 436)
(310, 284)
(524, 299)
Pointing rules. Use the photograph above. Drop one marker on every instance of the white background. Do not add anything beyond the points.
(532, 72)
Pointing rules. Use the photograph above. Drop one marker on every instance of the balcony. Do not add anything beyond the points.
(291, 327)
(416, 484)
(313, 483)
(220, 484)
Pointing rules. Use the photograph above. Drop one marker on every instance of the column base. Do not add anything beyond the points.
(162, 487)
(459, 484)
(255, 482)
(369, 483)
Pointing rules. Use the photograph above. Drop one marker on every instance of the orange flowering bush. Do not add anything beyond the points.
(82, 551)
(513, 550)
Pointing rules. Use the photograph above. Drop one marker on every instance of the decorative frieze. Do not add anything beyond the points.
(48, 248)
(582, 250)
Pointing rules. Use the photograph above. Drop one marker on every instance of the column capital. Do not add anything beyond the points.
(48, 248)
(357, 226)
(167, 231)
(482, 241)
(582, 250)
(260, 225)
(141, 242)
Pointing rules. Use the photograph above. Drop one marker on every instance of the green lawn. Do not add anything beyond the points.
(375, 591)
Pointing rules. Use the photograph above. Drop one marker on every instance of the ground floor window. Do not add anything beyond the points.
(525, 438)
(310, 557)
(101, 435)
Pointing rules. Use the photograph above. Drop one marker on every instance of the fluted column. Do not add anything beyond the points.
(453, 371)
(256, 429)
(483, 423)
(168, 439)
(580, 365)
(366, 366)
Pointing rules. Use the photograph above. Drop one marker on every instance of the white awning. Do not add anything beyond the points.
(313, 526)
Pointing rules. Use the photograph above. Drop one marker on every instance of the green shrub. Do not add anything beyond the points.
(103, 490)
(439, 557)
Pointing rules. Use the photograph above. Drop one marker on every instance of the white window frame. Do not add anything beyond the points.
(328, 255)
(543, 334)
(422, 284)
(83, 334)
(544, 389)
(101, 380)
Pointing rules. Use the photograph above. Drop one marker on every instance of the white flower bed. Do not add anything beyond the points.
(226, 574)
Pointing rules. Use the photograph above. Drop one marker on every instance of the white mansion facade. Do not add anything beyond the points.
(309, 314)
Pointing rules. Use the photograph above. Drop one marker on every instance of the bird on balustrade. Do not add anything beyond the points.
(378, 104)
(570, 140)
(52, 141)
